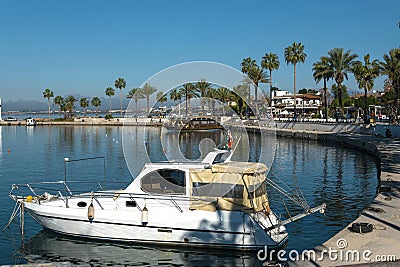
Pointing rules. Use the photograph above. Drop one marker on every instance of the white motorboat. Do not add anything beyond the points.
(30, 122)
(213, 203)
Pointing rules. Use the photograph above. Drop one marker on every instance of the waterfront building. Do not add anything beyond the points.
(282, 103)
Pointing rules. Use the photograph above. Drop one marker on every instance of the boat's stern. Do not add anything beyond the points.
(272, 229)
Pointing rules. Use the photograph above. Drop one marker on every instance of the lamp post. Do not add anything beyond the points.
(325, 101)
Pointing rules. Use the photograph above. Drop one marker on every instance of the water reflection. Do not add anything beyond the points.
(47, 246)
(344, 179)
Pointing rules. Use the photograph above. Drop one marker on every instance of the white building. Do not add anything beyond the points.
(306, 104)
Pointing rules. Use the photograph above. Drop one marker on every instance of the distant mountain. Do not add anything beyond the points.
(24, 105)
(36, 105)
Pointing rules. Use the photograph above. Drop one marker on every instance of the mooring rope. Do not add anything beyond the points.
(13, 214)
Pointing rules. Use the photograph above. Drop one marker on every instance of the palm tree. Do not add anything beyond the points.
(120, 83)
(256, 75)
(224, 95)
(161, 97)
(48, 94)
(391, 67)
(293, 55)
(202, 87)
(365, 75)
(239, 93)
(175, 95)
(110, 92)
(189, 91)
(84, 103)
(147, 91)
(246, 64)
(96, 102)
(59, 101)
(270, 62)
(321, 71)
(211, 96)
(340, 64)
(70, 105)
(135, 94)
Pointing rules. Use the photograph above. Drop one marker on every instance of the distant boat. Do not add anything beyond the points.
(30, 122)
(197, 123)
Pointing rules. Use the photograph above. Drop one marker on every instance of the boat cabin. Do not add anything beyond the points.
(211, 184)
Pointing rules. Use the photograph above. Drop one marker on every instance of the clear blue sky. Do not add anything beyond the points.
(81, 47)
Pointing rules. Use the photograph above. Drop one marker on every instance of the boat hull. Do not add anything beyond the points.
(240, 232)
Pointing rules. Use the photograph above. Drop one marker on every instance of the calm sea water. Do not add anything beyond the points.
(344, 179)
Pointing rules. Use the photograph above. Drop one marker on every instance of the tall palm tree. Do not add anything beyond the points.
(224, 95)
(340, 65)
(189, 91)
(202, 87)
(270, 62)
(211, 96)
(321, 71)
(295, 54)
(96, 102)
(48, 94)
(175, 95)
(84, 103)
(246, 64)
(120, 84)
(135, 94)
(70, 105)
(110, 92)
(390, 66)
(256, 75)
(59, 101)
(147, 91)
(161, 97)
(239, 93)
(365, 75)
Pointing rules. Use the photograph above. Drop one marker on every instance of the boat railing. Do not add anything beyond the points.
(45, 191)
(60, 189)
(56, 188)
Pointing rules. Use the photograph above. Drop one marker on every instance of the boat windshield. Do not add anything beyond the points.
(164, 181)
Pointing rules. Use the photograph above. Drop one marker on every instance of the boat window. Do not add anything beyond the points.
(218, 158)
(259, 189)
(166, 181)
(81, 204)
(217, 190)
(130, 203)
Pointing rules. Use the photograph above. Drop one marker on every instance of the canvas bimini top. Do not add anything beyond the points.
(229, 186)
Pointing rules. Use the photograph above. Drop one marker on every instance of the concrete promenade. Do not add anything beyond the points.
(381, 246)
